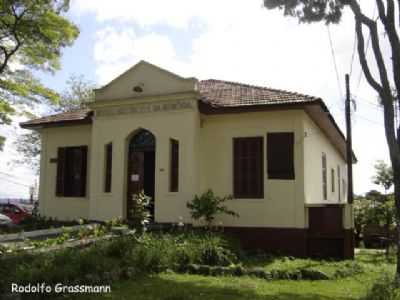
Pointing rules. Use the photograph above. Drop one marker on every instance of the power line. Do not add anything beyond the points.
(14, 182)
(9, 174)
(334, 61)
(366, 50)
(353, 54)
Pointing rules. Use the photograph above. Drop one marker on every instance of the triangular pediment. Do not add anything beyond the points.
(145, 79)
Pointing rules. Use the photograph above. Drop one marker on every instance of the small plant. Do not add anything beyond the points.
(139, 213)
(383, 289)
(208, 205)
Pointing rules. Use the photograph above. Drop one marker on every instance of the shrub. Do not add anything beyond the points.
(383, 289)
(207, 206)
(139, 214)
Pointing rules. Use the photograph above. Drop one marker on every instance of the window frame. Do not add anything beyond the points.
(240, 194)
(324, 176)
(174, 153)
(65, 186)
(108, 162)
(280, 174)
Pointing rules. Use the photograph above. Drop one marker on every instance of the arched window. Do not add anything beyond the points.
(142, 141)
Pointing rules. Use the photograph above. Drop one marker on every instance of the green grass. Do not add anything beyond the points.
(183, 286)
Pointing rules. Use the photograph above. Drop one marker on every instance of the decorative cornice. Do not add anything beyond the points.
(149, 107)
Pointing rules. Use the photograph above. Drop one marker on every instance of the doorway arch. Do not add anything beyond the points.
(141, 167)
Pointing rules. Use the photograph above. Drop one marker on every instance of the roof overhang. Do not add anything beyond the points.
(315, 109)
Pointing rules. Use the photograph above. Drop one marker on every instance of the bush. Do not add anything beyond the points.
(207, 206)
(383, 289)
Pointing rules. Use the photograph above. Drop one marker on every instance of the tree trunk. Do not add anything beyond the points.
(396, 179)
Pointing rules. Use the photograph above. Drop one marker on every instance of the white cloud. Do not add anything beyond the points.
(241, 41)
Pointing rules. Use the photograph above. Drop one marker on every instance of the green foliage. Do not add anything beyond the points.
(139, 214)
(77, 94)
(383, 175)
(32, 35)
(383, 289)
(208, 205)
(329, 11)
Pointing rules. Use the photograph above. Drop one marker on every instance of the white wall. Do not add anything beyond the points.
(315, 143)
(283, 202)
(49, 204)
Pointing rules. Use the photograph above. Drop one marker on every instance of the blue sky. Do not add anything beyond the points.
(231, 40)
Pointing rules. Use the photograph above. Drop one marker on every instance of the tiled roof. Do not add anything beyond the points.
(232, 94)
(217, 93)
(77, 115)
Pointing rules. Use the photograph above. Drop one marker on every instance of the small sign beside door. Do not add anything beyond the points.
(135, 177)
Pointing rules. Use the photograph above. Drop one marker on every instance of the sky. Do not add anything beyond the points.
(230, 40)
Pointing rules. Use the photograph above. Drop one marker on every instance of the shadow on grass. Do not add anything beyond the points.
(200, 288)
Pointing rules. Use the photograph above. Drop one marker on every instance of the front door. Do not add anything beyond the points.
(141, 169)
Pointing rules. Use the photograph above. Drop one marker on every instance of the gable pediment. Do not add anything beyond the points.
(145, 79)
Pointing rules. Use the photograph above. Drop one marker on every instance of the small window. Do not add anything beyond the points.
(344, 188)
(71, 171)
(280, 155)
(324, 177)
(338, 181)
(174, 166)
(108, 167)
(333, 179)
(248, 181)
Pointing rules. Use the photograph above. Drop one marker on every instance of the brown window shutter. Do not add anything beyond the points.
(280, 155)
(248, 181)
(338, 183)
(174, 166)
(83, 172)
(60, 171)
(108, 168)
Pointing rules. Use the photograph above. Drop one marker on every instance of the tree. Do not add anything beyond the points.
(32, 36)
(330, 11)
(383, 176)
(77, 94)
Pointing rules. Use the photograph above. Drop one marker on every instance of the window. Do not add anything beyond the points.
(280, 155)
(324, 177)
(338, 182)
(71, 171)
(344, 187)
(333, 180)
(174, 166)
(108, 168)
(248, 181)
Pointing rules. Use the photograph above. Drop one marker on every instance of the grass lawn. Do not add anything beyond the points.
(169, 286)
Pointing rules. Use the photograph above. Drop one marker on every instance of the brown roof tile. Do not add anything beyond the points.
(221, 93)
(217, 93)
(73, 116)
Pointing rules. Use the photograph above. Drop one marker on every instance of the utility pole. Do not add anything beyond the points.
(349, 151)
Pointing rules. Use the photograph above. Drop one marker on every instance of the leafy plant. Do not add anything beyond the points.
(139, 214)
(208, 205)
(383, 289)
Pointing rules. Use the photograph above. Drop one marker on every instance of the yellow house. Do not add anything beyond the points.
(279, 154)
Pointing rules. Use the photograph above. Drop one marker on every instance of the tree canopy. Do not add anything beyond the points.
(77, 94)
(32, 36)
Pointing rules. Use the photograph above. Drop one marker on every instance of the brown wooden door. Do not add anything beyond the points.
(135, 176)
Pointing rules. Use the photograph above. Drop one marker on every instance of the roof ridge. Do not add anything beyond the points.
(260, 87)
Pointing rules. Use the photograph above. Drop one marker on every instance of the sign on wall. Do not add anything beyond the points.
(145, 108)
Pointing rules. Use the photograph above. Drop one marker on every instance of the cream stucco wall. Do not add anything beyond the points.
(283, 203)
(316, 143)
(181, 125)
(168, 108)
(50, 205)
